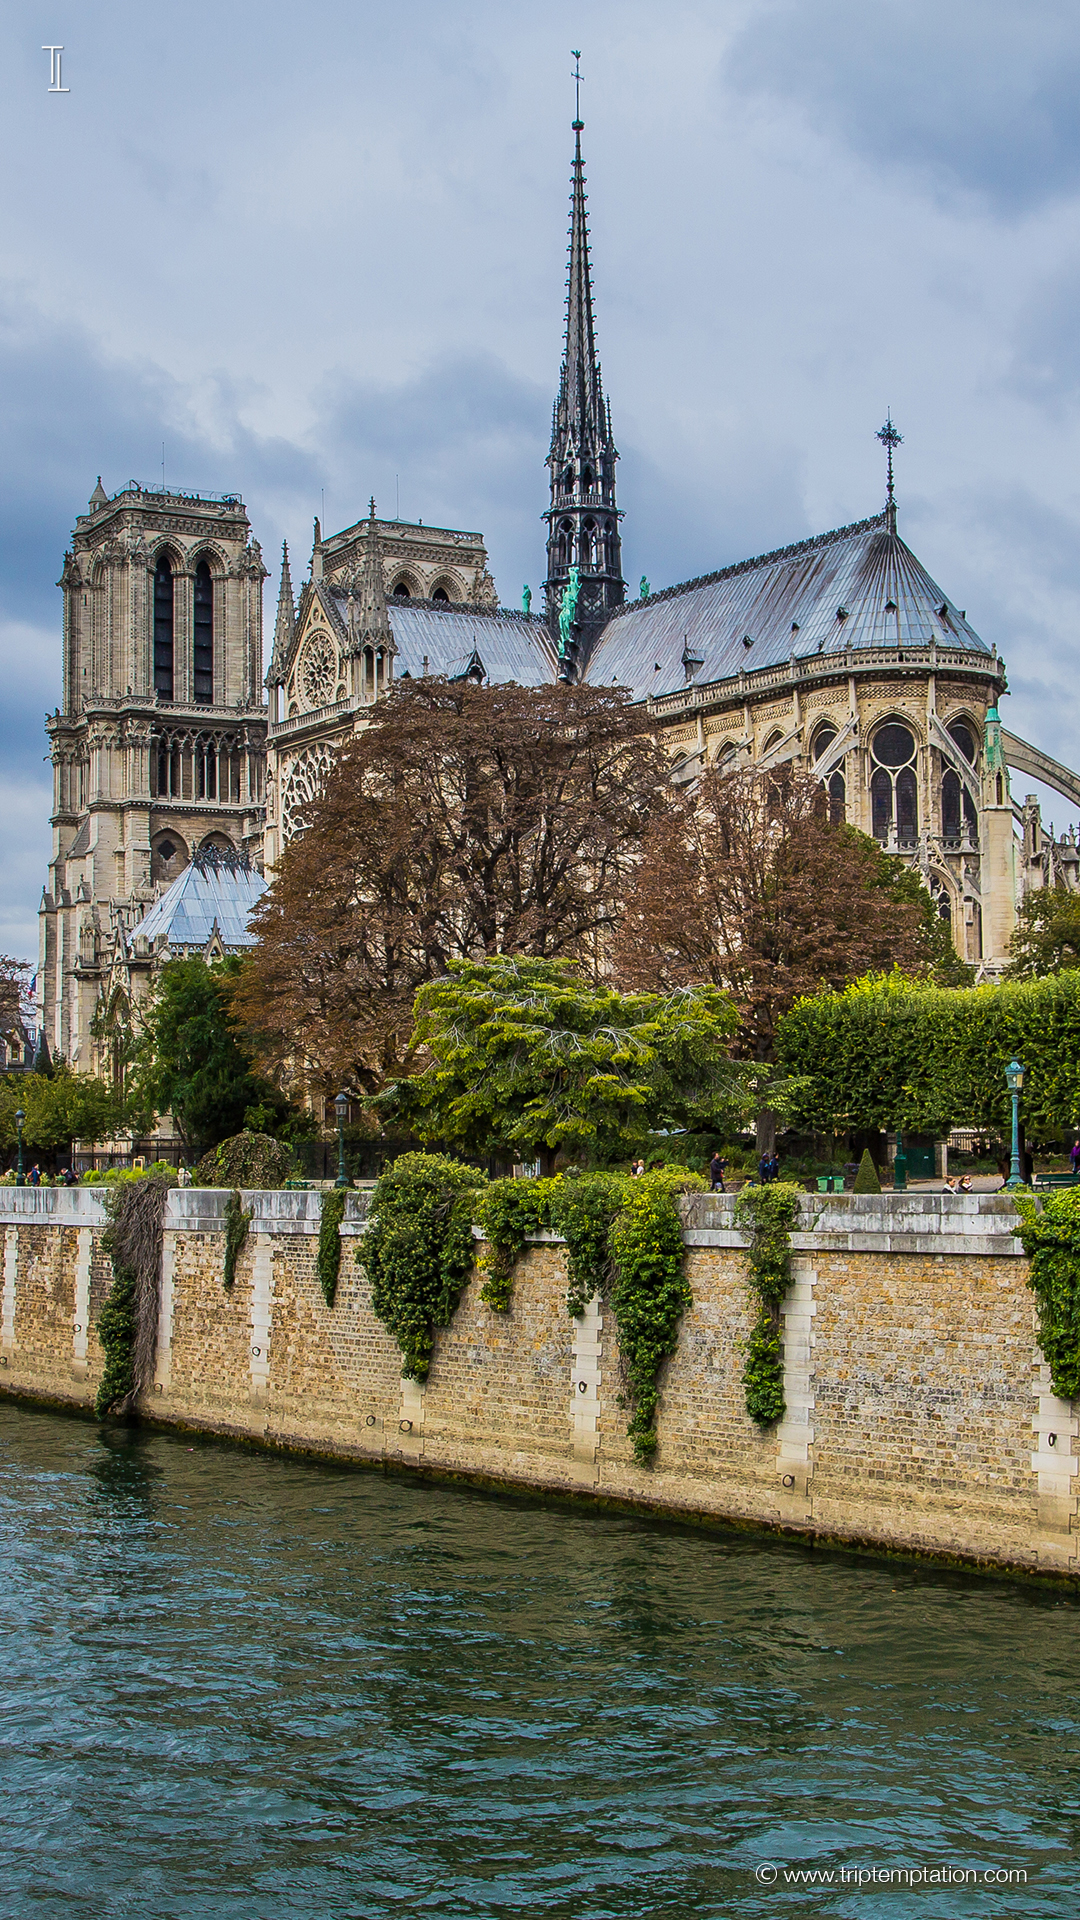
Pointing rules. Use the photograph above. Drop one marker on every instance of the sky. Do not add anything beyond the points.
(319, 252)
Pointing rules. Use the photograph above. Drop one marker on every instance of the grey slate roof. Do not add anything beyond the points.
(822, 596)
(510, 646)
(186, 913)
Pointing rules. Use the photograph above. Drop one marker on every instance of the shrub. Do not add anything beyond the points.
(251, 1160)
(866, 1180)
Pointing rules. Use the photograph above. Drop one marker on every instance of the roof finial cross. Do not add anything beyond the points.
(577, 77)
(889, 439)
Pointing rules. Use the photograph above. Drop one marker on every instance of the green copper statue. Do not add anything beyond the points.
(644, 590)
(568, 610)
(526, 599)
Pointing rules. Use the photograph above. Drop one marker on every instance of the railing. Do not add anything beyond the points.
(826, 667)
(317, 717)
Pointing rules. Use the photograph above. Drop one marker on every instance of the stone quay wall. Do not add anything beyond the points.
(920, 1416)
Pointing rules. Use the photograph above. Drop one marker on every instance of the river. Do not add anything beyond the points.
(237, 1686)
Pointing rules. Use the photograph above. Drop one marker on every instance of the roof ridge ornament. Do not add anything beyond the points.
(890, 439)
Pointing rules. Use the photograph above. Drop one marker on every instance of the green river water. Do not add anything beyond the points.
(235, 1686)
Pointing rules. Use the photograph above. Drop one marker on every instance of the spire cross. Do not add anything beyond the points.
(577, 77)
(889, 439)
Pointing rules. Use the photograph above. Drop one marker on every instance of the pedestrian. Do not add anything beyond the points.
(764, 1167)
(774, 1166)
(1075, 1156)
(717, 1170)
(33, 1178)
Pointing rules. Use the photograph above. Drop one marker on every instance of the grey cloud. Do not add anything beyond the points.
(1045, 364)
(978, 96)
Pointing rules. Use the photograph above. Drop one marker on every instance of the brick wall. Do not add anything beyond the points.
(920, 1414)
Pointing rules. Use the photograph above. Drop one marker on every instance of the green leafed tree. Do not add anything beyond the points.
(192, 1061)
(1047, 935)
(60, 1108)
(527, 1057)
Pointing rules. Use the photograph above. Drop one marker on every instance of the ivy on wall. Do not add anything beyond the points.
(127, 1323)
(649, 1294)
(237, 1222)
(328, 1258)
(768, 1214)
(623, 1240)
(507, 1212)
(1051, 1239)
(418, 1249)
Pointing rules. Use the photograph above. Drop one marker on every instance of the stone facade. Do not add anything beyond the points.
(159, 746)
(920, 1416)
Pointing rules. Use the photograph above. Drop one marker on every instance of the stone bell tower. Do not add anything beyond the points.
(159, 745)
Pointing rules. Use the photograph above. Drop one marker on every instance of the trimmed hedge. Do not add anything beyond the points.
(893, 1052)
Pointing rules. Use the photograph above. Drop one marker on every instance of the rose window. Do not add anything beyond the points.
(318, 673)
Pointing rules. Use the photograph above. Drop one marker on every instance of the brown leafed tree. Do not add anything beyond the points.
(464, 821)
(746, 884)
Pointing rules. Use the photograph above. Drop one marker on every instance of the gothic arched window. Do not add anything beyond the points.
(163, 628)
(442, 596)
(203, 635)
(837, 799)
(401, 591)
(958, 811)
(893, 788)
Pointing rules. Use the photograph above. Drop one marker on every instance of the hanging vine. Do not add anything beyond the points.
(507, 1212)
(127, 1323)
(1051, 1240)
(417, 1251)
(768, 1214)
(237, 1222)
(649, 1292)
(328, 1259)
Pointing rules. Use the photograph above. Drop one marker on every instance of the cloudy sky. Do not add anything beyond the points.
(319, 252)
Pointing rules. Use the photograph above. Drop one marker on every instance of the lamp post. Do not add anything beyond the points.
(20, 1177)
(899, 1165)
(341, 1108)
(1014, 1075)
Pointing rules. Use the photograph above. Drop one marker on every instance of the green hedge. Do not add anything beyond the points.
(888, 1051)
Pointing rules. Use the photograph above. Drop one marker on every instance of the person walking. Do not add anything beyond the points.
(1075, 1156)
(717, 1170)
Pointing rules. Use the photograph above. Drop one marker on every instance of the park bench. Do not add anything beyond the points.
(1043, 1180)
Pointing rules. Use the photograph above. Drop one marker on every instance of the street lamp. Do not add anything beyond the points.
(899, 1165)
(1014, 1075)
(341, 1108)
(20, 1177)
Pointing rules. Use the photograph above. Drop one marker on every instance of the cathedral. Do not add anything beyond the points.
(838, 654)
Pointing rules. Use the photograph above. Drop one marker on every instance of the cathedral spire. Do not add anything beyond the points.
(584, 574)
(283, 625)
(372, 619)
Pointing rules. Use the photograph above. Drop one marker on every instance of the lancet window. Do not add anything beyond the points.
(894, 801)
(203, 635)
(835, 785)
(959, 816)
(163, 628)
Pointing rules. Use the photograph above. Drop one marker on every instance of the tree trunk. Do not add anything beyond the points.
(765, 1126)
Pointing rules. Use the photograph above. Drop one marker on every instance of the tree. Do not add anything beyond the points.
(747, 885)
(191, 1060)
(60, 1107)
(13, 975)
(464, 821)
(528, 1056)
(1047, 934)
